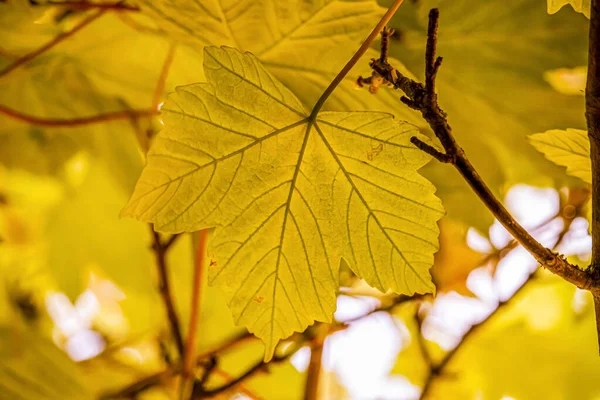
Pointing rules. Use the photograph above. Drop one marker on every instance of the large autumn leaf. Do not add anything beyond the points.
(290, 193)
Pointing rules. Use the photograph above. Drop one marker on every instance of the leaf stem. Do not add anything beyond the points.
(359, 53)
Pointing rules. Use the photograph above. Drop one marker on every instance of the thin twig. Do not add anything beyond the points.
(422, 98)
(61, 37)
(167, 245)
(75, 122)
(201, 393)
(87, 5)
(155, 379)
(165, 290)
(438, 369)
(359, 53)
(421, 340)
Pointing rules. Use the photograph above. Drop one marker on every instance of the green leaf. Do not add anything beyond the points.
(582, 6)
(32, 367)
(570, 148)
(289, 195)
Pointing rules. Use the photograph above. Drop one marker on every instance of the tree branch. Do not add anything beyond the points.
(436, 370)
(75, 122)
(424, 99)
(160, 252)
(201, 393)
(86, 5)
(592, 105)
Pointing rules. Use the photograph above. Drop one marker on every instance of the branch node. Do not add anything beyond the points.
(410, 103)
(432, 151)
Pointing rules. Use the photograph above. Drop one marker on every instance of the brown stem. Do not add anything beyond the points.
(30, 56)
(86, 5)
(311, 387)
(165, 290)
(359, 53)
(75, 122)
(422, 98)
(190, 348)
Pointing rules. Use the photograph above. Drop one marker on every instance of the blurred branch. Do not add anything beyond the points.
(162, 79)
(190, 347)
(160, 252)
(421, 340)
(73, 122)
(261, 366)
(436, 370)
(156, 379)
(311, 386)
(592, 103)
(87, 5)
(388, 306)
(58, 39)
(171, 241)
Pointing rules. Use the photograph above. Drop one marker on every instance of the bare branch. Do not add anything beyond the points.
(260, 366)
(424, 99)
(75, 122)
(438, 369)
(87, 5)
